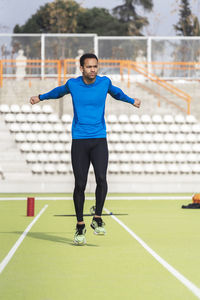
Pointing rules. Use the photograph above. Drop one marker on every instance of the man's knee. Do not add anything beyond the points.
(101, 181)
(80, 186)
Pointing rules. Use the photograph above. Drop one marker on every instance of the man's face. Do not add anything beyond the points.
(90, 69)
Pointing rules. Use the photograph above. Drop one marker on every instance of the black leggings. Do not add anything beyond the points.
(83, 152)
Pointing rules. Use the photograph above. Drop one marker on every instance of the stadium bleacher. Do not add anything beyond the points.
(138, 144)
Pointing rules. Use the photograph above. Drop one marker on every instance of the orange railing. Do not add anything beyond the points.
(130, 65)
(71, 66)
(31, 65)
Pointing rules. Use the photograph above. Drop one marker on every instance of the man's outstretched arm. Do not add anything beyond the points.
(118, 94)
(56, 93)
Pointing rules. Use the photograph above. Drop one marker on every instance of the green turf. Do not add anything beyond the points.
(47, 266)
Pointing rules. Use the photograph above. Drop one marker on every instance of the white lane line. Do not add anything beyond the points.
(107, 198)
(186, 282)
(20, 240)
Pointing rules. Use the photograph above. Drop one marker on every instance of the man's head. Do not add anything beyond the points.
(89, 67)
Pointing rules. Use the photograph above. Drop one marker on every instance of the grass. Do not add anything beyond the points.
(47, 266)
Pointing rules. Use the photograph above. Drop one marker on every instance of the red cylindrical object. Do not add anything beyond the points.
(30, 207)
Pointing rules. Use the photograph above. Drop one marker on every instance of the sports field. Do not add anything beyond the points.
(151, 250)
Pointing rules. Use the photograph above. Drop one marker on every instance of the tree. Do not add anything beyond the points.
(59, 16)
(99, 21)
(188, 24)
(127, 15)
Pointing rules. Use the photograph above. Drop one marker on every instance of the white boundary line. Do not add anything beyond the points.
(187, 283)
(10, 254)
(107, 198)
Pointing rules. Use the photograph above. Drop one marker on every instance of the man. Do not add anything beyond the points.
(89, 144)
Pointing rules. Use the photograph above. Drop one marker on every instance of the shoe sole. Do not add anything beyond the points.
(97, 233)
(80, 244)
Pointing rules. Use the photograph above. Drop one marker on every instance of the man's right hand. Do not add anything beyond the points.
(34, 100)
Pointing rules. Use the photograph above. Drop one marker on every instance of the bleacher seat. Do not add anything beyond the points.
(47, 109)
(20, 137)
(59, 147)
(15, 109)
(125, 168)
(25, 127)
(62, 169)
(136, 137)
(49, 169)
(161, 168)
(173, 169)
(36, 147)
(41, 118)
(145, 119)
(64, 138)
(10, 118)
(135, 158)
(112, 119)
(137, 169)
(31, 158)
(31, 118)
(151, 128)
(149, 168)
(123, 119)
(14, 128)
(184, 169)
(36, 109)
(53, 118)
(47, 128)
(156, 119)
(31, 137)
(168, 119)
(66, 119)
(43, 158)
(174, 128)
(65, 157)
(37, 127)
(37, 169)
(25, 147)
(169, 138)
(128, 128)
(179, 119)
(190, 119)
(4, 108)
(53, 137)
(42, 137)
(118, 147)
(162, 128)
(21, 118)
(116, 128)
(54, 158)
(135, 119)
(48, 148)
(26, 108)
(58, 128)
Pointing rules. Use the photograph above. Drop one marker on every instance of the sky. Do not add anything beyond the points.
(162, 19)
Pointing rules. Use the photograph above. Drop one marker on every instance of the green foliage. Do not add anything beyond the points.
(99, 21)
(127, 14)
(188, 24)
(67, 16)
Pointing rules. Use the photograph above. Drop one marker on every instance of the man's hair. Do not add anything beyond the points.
(85, 56)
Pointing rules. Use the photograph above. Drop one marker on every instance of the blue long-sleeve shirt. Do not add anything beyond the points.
(88, 104)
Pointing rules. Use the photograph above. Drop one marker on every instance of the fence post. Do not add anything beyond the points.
(129, 69)
(1, 73)
(42, 55)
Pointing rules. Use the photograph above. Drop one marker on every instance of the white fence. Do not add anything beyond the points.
(166, 57)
